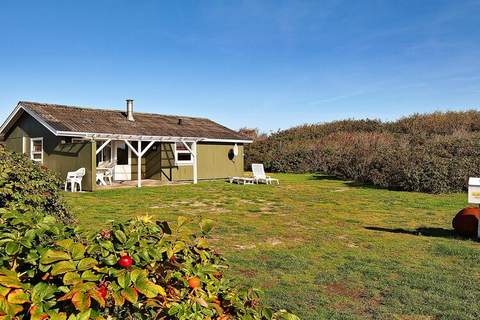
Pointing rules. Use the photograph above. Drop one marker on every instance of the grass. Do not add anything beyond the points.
(323, 248)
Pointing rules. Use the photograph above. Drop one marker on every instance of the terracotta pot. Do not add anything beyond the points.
(465, 222)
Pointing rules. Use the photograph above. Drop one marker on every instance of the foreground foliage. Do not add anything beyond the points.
(49, 272)
(430, 153)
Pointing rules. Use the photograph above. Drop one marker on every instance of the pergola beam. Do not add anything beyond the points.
(139, 153)
(103, 146)
(193, 152)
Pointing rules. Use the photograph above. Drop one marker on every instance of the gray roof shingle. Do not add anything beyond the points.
(79, 119)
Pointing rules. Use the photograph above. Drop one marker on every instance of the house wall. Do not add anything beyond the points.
(213, 163)
(57, 156)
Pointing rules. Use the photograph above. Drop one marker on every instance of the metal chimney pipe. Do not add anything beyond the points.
(130, 110)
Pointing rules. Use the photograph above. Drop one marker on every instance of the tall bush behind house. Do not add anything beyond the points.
(429, 153)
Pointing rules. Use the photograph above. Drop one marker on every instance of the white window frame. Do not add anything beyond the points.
(183, 162)
(24, 147)
(32, 140)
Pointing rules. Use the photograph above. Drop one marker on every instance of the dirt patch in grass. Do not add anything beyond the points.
(250, 273)
(245, 246)
(339, 289)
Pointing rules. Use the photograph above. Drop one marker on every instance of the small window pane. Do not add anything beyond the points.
(122, 154)
(37, 156)
(181, 146)
(37, 146)
(184, 157)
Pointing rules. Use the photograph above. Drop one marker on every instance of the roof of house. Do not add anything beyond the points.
(71, 119)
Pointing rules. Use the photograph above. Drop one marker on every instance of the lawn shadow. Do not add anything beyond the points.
(320, 177)
(422, 231)
(350, 183)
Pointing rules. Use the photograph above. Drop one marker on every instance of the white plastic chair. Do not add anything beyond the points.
(105, 172)
(75, 177)
(260, 176)
(108, 174)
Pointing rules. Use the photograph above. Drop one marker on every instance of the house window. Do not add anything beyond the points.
(182, 154)
(105, 155)
(36, 149)
(122, 154)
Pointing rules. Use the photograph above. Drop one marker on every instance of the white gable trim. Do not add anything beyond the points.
(14, 113)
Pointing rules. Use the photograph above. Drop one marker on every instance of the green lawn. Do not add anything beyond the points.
(321, 247)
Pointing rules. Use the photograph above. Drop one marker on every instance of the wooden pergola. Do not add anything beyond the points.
(139, 152)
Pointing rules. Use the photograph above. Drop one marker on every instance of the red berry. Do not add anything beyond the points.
(194, 282)
(125, 261)
(103, 292)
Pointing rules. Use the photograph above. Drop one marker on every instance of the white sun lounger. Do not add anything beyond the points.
(260, 176)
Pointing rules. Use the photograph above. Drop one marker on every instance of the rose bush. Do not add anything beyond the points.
(25, 185)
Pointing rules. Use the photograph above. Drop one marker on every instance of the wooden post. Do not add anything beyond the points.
(194, 154)
(139, 164)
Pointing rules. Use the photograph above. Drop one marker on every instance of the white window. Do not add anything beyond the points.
(36, 149)
(105, 155)
(182, 154)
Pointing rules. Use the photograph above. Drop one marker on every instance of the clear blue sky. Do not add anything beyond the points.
(266, 64)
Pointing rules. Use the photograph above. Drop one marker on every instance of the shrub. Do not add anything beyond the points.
(25, 185)
(50, 271)
(429, 153)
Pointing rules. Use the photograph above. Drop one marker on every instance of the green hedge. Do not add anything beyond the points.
(429, 153)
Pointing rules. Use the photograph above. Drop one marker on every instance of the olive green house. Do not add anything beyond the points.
(138, 146)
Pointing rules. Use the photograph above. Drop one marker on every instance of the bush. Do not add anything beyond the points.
(49, 271)
(429, 153)
(25, 186)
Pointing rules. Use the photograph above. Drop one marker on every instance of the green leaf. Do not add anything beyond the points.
(118, 298)
(181, 220)
(84, 315)
(137, 274)
(202, 243)
(179, 246)
(120, 235)
(57, 316)
(65, 244)
(148, 288)
(42, 291)
(78, 251)
(130, 294)
(18, 296)
(51, 256)
(86, 263)
(4, 291)
(124, 279)
(90, 276)
(63, 267)
(71, 278)
(107, 245)
(206, 225)
(110, 260)
(12, 248)
(81, 301)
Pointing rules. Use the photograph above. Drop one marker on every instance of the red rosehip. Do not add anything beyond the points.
(125, 261)
(102, 291)
(194, 282)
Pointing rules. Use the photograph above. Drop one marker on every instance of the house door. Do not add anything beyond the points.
(123, 164)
